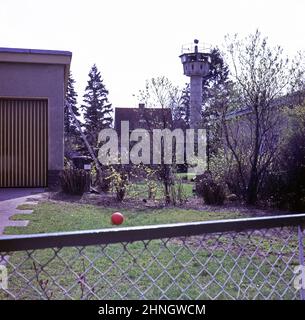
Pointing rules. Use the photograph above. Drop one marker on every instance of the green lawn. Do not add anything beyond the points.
(185, 175)
(53, 217)
(169, 268)
(140, 190)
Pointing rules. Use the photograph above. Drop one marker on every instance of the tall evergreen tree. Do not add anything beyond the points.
(183, 111)
(72, 135)
(96, 107)
(71, 98)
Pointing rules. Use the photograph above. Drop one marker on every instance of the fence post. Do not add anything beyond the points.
(301, 260)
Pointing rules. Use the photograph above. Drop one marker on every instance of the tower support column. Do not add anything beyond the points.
(195, 101)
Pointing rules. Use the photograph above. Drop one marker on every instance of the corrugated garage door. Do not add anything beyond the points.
(23, 143)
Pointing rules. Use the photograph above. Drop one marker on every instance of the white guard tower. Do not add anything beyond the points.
(196, 65)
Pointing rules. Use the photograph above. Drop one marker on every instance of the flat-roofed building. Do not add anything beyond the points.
(32, 94)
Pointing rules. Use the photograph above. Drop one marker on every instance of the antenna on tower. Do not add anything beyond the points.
(196, 41)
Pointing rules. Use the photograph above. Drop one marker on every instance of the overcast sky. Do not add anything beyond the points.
(131, 41)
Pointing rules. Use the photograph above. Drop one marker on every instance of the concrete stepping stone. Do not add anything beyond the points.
(10, 199)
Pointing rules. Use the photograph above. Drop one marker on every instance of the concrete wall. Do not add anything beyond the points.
(32, 80)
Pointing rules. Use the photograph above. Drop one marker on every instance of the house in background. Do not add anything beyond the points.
(143, 118)
(147, 118)
(32, 93)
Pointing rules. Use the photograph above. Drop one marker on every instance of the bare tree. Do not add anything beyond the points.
(251, 120)
(161, 93)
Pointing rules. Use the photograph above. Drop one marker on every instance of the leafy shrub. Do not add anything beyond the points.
(226, 172)
(104, 181)
(284, 185)
(101, 181)
(147, 174)
(178, 195)
(74, 181)
(212, 192)
(119, 181)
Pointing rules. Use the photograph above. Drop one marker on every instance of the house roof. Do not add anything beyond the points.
(17, 55)
(289, 100)
(36, 51)
(143, 118)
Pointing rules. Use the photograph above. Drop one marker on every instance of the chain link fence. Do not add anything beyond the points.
(252, 258)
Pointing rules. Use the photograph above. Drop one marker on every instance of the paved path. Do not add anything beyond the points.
(10, 199)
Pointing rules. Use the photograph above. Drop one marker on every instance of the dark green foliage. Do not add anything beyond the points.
(96, 107)
(72, 136)
(211, 192)
(104, 184)
(284, 186)
(181, 112)
(104, 181)
(74, 181)
(295, 172)
(71, 98)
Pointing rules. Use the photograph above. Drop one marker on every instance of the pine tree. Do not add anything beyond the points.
(96, 107)
(72, 136)
(71, 98)
(184, 107)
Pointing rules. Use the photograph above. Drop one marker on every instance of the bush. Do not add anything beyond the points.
(284, 185)
(101, 181)
(225, 171)
(147, 174)
(212, 192)
(178, 195)
(74, 181)
(104, 181)
(119, 181)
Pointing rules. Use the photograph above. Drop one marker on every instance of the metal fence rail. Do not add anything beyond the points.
(252, 258)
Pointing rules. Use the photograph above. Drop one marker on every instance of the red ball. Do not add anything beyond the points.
(117, 218)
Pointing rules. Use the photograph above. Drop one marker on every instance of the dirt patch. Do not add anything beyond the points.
(107, 200)
(142, 204)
